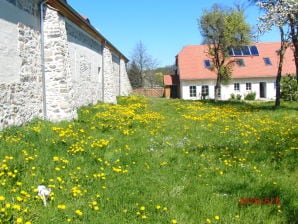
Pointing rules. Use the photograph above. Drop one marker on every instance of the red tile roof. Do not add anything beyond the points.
(170, 80)
(191, 62)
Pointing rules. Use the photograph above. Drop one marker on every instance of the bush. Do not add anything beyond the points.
(250, 96)
(238, 97)
(235, 97)
(232, 96)
(289, 88)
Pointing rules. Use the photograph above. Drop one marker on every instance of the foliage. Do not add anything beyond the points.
(235, 97)
(154, 161)
(134, 75)
(289, 87)
(222, 29)
(250, 96)
(282, 14)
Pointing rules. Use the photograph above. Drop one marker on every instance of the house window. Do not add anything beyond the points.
(207, 63)
(192, 91)
(205, 90)
(237, 86)
(240, 62)
(248, 86)
(267, 61)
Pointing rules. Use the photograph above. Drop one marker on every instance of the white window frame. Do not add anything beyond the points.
(203, 90)
(192, 91)
(237, 86)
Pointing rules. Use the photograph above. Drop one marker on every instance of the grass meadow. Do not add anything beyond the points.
(155, 161)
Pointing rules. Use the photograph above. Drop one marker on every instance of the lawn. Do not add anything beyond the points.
(155, 161)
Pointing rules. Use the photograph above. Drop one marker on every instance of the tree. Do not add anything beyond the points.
(134, 75)
(222, 29)
(284, 15)
(141, 66)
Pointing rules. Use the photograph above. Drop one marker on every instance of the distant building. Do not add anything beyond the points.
(53, 61)
(254, 71)
(171, 86)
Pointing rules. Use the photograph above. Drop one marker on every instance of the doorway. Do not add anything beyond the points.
(262, 89)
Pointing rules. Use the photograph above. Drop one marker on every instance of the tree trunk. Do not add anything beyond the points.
(283, 47)
(294, 36)
(217, 88)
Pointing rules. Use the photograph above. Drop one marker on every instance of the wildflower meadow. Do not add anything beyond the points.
(156, 161)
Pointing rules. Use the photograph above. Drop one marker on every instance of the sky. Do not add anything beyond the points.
(163, 26)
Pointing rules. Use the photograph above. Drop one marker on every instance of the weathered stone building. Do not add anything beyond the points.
(52, 61)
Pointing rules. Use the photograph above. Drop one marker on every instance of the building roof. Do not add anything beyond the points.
(170, 80)
(190, 62)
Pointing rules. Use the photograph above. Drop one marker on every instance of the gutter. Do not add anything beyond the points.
(44, 100)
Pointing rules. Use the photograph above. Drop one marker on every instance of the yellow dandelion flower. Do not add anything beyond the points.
(61, 206)
(144, 217)
(174, 221)
(142, 208)
(28, 222)
(2, 198)
(158, 207)
(208, 220)
(79, 212)
(19, 220)
(216, 217)
(16, 207)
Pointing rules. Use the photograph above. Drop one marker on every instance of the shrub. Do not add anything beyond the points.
(235, 97)
(232, 96)
(238, 97)
(289, 88)
(250, 96)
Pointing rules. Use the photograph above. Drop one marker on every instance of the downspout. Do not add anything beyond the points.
(41, 4)
(119, 75)
(103, 71)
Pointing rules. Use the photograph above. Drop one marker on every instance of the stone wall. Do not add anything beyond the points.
(59, 90)
(78, 68)
(109, 77)
(125, 86)
(21, 76)
(86, 65)
(116, 73)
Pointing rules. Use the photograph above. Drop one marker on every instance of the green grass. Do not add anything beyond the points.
(154, 161)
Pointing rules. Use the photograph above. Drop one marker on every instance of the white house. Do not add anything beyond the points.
(255, 71)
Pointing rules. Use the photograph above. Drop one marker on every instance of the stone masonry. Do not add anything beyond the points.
(79, 69)
(20, 97)
(58, 89)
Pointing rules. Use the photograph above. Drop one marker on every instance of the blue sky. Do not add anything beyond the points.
(163, 26)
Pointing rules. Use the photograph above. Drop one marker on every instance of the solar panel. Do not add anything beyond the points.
(254, 50)
(230, 50)
(237, 51)
(245, 50)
